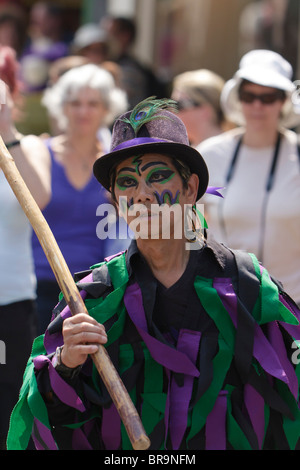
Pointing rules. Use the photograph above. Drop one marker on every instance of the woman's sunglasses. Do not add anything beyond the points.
(184, 104)
(264, 98)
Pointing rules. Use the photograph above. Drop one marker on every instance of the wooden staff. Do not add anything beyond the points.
(105, 367)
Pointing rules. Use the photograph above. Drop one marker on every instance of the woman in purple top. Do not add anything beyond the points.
(83, 100)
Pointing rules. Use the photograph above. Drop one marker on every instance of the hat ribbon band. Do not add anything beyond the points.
(137, 141)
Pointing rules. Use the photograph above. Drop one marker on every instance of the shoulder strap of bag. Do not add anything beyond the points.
(298, 148)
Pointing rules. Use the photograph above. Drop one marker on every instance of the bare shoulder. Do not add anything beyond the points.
(38, 163)
(35, 150)
(34, 143)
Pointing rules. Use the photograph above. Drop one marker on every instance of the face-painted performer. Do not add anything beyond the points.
(203, 339)
(151, 185)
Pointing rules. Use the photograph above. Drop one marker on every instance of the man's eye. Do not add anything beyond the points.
(124, 182)
(161, 176)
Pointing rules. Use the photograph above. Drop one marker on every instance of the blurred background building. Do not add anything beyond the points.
(178, 35)
(174, 36)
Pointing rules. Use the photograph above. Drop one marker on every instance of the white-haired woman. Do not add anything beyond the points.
(259, 165)
(83, 101)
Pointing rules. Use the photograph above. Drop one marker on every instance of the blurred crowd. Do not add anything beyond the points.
(62, 96)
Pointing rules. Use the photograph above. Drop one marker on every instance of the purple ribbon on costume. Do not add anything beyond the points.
(139, 141)
(255, 405)
(263, 350)
(45, 435)
(109, 258)
(215, 429)
(271, 354)
(52, 341)
(214, 190)
(165, 355)
(179, 360)
(188, 343)
(80, 441)
(293, 330)
(64, 392)
(277, 340)
(111, 428)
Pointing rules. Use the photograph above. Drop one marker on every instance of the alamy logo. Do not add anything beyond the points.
(2, 353)
(162, 221)
(295, 356)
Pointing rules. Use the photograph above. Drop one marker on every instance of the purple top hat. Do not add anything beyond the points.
(151, 128)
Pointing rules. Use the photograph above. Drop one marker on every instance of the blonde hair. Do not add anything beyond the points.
(200, 86)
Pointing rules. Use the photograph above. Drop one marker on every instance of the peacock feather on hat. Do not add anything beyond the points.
(147, 110)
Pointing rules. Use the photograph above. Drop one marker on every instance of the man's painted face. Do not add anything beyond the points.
(144, 185)
(157, 175)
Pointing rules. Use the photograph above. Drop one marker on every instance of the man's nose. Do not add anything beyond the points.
(144, 193)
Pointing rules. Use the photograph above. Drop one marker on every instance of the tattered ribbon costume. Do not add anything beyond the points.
(231, 386)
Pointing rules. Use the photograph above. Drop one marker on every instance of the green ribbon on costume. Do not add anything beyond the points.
(205, 404)
(235, 435)
(154, 399)
(212, 304)
(30, 404)
(291, 427)
(103, 309)
(126, 356)
(268, 306)
(201, 218)
(214, 307)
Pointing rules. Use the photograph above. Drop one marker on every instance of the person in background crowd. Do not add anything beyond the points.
(198, 94)
(63, 65)
(258, 165)
(201, 335)
(83, 100)
(13, 30)
(18, 318)
(91, 41)
(46, 45)
(56, 70)
(138, 80)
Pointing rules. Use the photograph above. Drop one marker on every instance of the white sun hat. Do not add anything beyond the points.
(266, 68)
(88, 34)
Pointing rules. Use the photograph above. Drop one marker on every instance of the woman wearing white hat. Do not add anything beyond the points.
(259, 167)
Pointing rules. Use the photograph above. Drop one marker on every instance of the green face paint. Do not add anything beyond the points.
(137, 161)
(125, 181)
(160, 175)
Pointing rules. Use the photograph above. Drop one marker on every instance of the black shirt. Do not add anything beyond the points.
(170, 309)
(178, 306)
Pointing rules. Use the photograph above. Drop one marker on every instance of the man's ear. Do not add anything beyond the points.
(192, 190)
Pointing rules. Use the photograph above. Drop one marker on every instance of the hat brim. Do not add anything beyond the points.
(188, 155)
(265, 77)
